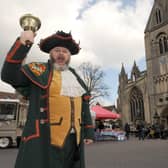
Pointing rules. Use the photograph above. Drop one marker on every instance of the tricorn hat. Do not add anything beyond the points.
(59, 39)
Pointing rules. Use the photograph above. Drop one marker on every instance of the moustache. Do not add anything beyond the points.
(60, 57)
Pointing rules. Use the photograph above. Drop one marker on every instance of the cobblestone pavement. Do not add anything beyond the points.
(110, 154)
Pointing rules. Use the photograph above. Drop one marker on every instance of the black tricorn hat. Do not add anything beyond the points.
(60, 39)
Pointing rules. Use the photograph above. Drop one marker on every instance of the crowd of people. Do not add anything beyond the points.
(147, 131)
(141, 130)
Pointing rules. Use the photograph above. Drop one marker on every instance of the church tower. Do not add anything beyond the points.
(135, 73)
(123, 77)
(156, 45)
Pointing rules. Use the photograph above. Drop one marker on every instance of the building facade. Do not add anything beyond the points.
(133, 102)
(145, 94)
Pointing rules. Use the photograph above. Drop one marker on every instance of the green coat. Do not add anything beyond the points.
(34, 148)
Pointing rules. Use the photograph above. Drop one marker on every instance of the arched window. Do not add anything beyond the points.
(161, 46)
(163, 42)
(136, 105)
(158, 16)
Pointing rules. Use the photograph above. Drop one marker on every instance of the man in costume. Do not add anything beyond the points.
(59, 121)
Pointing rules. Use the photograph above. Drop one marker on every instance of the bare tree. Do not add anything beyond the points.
(93, 77)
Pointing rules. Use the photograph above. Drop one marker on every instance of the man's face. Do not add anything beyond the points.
(60, 55)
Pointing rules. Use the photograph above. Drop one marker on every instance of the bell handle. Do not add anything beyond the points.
(28, 42)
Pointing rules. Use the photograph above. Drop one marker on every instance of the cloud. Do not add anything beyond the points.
(115, 33)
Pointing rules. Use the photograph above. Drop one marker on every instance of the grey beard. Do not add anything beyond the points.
(60, 68)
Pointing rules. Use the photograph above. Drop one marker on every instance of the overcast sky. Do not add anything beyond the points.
(111, 32)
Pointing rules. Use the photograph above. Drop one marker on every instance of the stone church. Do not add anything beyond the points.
(144, 96)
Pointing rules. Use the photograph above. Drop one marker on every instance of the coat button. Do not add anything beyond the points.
(23, 138)
(42, 121)
(41, 109)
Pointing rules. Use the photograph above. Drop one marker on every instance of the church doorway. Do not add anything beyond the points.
(136, 105)
(164, 117)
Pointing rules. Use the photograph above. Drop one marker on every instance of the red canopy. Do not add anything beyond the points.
(102, 113)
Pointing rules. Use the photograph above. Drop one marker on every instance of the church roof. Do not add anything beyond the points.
(160, 11)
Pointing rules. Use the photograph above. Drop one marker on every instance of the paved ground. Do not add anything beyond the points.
(128, 154)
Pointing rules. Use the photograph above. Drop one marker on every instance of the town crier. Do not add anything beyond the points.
(59, 122)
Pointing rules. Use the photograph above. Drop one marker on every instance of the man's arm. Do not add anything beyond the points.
(11, 70)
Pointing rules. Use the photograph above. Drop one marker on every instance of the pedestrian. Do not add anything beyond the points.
(141, 131)
(162, 128)
(127, 130)
(59, 121)
(101, 126)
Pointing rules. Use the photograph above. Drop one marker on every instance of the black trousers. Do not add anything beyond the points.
(68, 156)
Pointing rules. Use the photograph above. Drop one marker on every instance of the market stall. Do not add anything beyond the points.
(102, 113)
(104, 133)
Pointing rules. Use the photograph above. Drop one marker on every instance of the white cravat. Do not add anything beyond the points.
(70, 85)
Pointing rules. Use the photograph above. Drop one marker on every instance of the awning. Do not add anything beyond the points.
(102, 113)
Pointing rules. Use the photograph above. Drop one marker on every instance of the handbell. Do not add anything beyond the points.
(30, 22)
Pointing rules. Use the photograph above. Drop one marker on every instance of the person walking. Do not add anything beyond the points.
(127, 130)
(141, 131)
